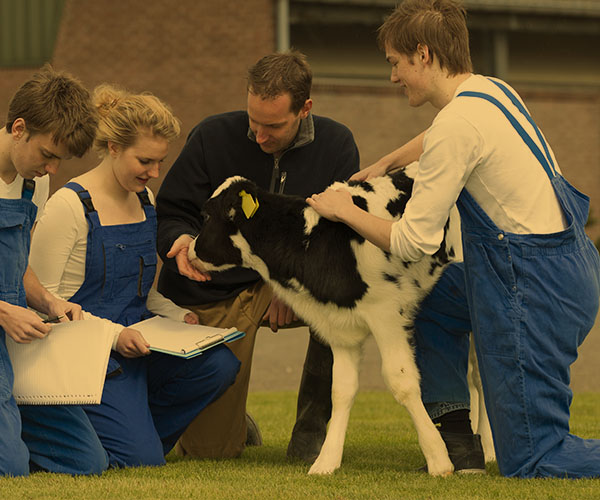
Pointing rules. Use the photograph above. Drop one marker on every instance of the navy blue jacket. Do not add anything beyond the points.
(218, 148)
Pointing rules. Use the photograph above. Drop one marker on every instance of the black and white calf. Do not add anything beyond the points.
(341, 285)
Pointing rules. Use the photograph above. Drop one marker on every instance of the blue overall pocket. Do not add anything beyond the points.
(497, 299)
(132, 268)
(147, 272)
(14, 240)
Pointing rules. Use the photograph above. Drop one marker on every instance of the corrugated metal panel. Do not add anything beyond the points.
(564, 7)
(552, 7)
(28, 30)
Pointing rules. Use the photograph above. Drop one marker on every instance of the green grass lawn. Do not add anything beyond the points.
(380, 461)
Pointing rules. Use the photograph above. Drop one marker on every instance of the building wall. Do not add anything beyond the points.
(192, 54)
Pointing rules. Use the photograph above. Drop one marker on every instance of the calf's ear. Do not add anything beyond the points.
(241, 200)
(249, 203)
(233, 202)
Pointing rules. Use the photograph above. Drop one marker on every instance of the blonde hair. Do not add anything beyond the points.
(124, 115)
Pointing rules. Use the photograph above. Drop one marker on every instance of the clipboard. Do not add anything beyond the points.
(181, 339)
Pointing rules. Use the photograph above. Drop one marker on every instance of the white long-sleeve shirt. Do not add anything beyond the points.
(58, 254)
(471, 144)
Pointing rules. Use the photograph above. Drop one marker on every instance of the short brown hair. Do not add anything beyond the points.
(280, 73)
(124, 115)
(56, 103)
(439, 24)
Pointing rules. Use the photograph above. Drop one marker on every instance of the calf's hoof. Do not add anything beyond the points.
(443, 471)
(324, 467)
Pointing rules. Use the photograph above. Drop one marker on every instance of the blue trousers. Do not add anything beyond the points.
(442, 330)
(528, 403)
(148, 405)
(62, 439)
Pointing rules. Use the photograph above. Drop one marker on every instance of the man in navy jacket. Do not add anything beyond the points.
(279, 144)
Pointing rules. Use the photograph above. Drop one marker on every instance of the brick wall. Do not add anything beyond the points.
(193, 54)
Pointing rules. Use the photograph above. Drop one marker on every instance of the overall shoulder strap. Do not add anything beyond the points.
(86, 200)
(147, 205)
(144, 197)
(519, 105)
(519, 128)
(28, 189)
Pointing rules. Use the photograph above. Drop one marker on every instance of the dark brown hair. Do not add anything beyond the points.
(439, 24)
(56, 103)
(281, 73)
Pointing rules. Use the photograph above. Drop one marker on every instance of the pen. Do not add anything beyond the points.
(56, 319)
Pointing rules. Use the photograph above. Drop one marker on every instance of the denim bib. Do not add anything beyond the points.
(532, 298)
(120, 264)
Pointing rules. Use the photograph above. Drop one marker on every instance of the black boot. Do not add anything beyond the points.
(253, 434)
(465, 452)
(464, 447)
(314, 403)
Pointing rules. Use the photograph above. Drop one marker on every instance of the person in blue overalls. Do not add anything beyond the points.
(529, 285)
(50, 118)
(95, 244)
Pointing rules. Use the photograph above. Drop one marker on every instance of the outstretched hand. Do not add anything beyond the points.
(179, 250)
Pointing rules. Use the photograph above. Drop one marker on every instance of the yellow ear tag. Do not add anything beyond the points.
(249, 204)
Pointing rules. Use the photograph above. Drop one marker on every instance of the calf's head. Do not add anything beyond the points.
(215, 248)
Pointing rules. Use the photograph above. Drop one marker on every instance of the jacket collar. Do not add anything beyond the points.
(305, 135)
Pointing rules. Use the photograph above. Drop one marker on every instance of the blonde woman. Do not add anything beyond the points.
(95, 245)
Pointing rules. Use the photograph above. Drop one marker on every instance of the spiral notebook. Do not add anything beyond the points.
(66, 367)
(183, 340)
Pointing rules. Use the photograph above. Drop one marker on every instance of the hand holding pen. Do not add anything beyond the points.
(21, 324)
(55, 319)
(60, 310)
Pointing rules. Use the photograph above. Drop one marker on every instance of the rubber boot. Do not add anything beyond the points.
(465, 452)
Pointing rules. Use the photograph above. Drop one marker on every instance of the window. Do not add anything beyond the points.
(28, 30)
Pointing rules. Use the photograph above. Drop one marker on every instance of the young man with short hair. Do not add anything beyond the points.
(530, 282)
(50, 118)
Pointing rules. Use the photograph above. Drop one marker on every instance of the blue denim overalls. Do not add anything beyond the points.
(54, 438)
(147, 402)
(532, 299)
